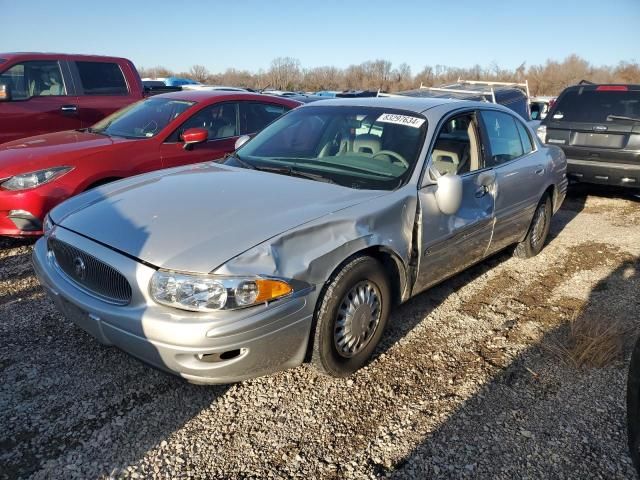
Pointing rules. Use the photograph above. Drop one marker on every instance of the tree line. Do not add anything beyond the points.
(286, 73)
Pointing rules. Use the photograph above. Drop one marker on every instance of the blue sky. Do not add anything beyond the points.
(248, 34)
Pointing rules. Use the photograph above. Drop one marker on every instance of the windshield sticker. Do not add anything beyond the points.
(414, 122)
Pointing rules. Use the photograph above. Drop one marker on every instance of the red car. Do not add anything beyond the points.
(49, 92)
(37, 173)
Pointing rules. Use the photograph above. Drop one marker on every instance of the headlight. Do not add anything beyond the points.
(542, 133)
(34, 179)
(206, 293)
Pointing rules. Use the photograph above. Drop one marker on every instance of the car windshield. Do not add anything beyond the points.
(143, 119)
(595, 106)
(357, 147)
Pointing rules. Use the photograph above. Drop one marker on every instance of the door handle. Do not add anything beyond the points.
(482, 191)
(69, 108)
(540, 170)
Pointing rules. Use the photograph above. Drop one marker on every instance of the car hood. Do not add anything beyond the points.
(58, 148)
(197, 218)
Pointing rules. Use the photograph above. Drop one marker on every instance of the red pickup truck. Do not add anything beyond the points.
(49, 92)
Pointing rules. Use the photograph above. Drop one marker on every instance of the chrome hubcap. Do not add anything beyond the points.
(539, 223)
(357, 320)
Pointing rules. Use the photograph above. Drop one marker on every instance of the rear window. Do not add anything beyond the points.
(102, 78)
(593, 106)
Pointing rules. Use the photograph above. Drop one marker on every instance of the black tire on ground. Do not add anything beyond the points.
(360, 278)
(538, 231)
(633, 406)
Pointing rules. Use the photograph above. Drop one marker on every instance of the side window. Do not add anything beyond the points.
(39, 78)
(255, 116)
(456, 149)
(102, 78)
(220, 120)
(525, 138)
(504, 139)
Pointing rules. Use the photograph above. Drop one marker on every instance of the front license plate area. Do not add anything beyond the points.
(81, 318)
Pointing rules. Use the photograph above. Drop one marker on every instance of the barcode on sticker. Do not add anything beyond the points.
(414, 122)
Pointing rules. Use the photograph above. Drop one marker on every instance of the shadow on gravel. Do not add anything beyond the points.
(538, 416)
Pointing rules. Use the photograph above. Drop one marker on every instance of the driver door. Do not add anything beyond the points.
(450, 243)
(220, 120)
(41, 100)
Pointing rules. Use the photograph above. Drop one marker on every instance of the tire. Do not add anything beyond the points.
(538, 231)
(335, 323)
(633, 406)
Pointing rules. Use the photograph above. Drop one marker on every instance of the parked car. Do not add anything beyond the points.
(539, 106)
(37, 173)
(179, 82)
(298, 245)
(598, 127)
(512, 95)
(49, 92)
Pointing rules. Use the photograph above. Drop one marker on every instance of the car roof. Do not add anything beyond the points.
(412, 104)
(29, 55)
(594, 86)
(211, 95)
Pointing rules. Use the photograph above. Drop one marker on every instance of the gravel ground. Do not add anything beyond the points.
(465, 384)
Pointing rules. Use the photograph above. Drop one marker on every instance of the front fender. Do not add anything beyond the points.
(313, 251)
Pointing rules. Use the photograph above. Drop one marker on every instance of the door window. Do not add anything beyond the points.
(504, 139)
(456, 150)
(220, 120)
(527, 143)
(39, 78)
(254, 116)
(102, 78)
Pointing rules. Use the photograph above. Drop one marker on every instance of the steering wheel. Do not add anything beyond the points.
(393, 155)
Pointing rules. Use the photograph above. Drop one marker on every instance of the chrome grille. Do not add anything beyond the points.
(90, 273)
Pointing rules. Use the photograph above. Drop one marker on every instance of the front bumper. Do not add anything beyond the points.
(220, 347)
(604, 173)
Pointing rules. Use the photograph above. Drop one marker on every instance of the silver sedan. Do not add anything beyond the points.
(296, 247)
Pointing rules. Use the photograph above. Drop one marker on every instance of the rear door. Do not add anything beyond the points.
(102, 89)
(220, 120)
(42, 99)
(451, 243)
(585, 122)
(519, 175)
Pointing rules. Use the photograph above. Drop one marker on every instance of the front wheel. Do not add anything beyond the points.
(351, 317)
(538, 231)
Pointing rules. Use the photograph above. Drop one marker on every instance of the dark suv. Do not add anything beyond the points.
(598, 127)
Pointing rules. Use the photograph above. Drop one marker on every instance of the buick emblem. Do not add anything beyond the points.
(79, 268)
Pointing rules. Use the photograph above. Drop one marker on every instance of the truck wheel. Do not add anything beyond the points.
(351, 317)
(538, 231)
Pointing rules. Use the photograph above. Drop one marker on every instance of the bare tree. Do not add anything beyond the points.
(284, 73)
(199, 73)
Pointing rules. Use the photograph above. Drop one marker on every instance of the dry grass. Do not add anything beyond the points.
(590, 341)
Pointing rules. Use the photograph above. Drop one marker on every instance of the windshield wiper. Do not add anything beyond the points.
(242, 162)
(622, 117)
(294, 172)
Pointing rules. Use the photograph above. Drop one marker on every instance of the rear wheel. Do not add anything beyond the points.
(351, 317)
(538, 231)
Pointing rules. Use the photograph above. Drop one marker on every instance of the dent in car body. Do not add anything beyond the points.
(313, 251)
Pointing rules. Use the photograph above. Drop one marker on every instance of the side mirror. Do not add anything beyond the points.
(5, 93)
(192, 136)
(449, 193)
(241, 141)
